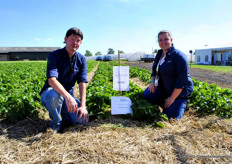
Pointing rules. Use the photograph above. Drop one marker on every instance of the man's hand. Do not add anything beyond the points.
(83, 113)
(71, 104)
(72, 108)
(69, 100)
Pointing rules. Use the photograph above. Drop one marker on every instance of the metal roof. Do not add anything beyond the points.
(27, 49)
(216, 48)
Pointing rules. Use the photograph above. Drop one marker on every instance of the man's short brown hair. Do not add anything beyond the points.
(75, 31)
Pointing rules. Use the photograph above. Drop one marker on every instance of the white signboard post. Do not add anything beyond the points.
(121, 78)
(121, 105)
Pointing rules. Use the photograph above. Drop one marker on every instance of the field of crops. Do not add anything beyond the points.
(20, 84)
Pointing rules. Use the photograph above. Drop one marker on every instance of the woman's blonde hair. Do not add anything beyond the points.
(165, 32)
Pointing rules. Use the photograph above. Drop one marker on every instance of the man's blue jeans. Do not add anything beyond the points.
(58, 111)
(176, 110)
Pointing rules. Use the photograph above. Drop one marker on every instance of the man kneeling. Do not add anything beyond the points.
(65, 67)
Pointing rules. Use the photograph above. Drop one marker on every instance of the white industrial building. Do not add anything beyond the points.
(129, 56)
(213, 56)
(132, 56)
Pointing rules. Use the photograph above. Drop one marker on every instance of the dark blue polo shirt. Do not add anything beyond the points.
(174, 73)
(67, 71)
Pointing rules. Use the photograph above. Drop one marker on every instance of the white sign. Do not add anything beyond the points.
(121, 105)
(121, 78)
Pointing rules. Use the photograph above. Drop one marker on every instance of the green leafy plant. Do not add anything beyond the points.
(20, 84)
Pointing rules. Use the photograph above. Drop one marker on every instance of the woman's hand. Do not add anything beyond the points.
(152, 87)
(168, 102)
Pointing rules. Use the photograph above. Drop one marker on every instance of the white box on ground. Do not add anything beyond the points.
(121, 78)
(121, 105)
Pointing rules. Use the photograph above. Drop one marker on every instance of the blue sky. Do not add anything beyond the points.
(127, 25)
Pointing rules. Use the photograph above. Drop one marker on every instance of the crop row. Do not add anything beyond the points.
(99, 94)
(20, 84)
(211, 99)
(206, 98)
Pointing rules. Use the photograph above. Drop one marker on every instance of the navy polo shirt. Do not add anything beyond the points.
(67, 71)
(174, 73)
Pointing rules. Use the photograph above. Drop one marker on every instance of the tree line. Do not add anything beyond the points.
(110, 51)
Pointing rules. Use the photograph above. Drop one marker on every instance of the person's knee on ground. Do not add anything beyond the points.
(154, 98)
(53, 102)
(176, 110)
(147, 95)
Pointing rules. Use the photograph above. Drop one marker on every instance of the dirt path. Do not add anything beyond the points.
(223, 80)
(89, 76)
(140, 83)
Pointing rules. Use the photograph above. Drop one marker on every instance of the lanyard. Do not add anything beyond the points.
(157, 69)
(160, 63)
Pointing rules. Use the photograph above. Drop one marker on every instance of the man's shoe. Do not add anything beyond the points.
(55, 131)
(187, 105)
(66, 124)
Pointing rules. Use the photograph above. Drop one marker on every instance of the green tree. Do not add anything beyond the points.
(121, 52)
(98, 53)
(88, 53)
(155, 51)
(110, 51)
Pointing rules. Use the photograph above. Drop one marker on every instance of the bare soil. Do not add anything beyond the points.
(223, 80)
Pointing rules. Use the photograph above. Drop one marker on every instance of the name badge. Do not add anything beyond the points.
(156, 81)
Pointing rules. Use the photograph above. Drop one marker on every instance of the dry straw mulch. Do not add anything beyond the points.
(190, 140)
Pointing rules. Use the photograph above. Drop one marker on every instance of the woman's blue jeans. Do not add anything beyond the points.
(58, 111)
(176, 110)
